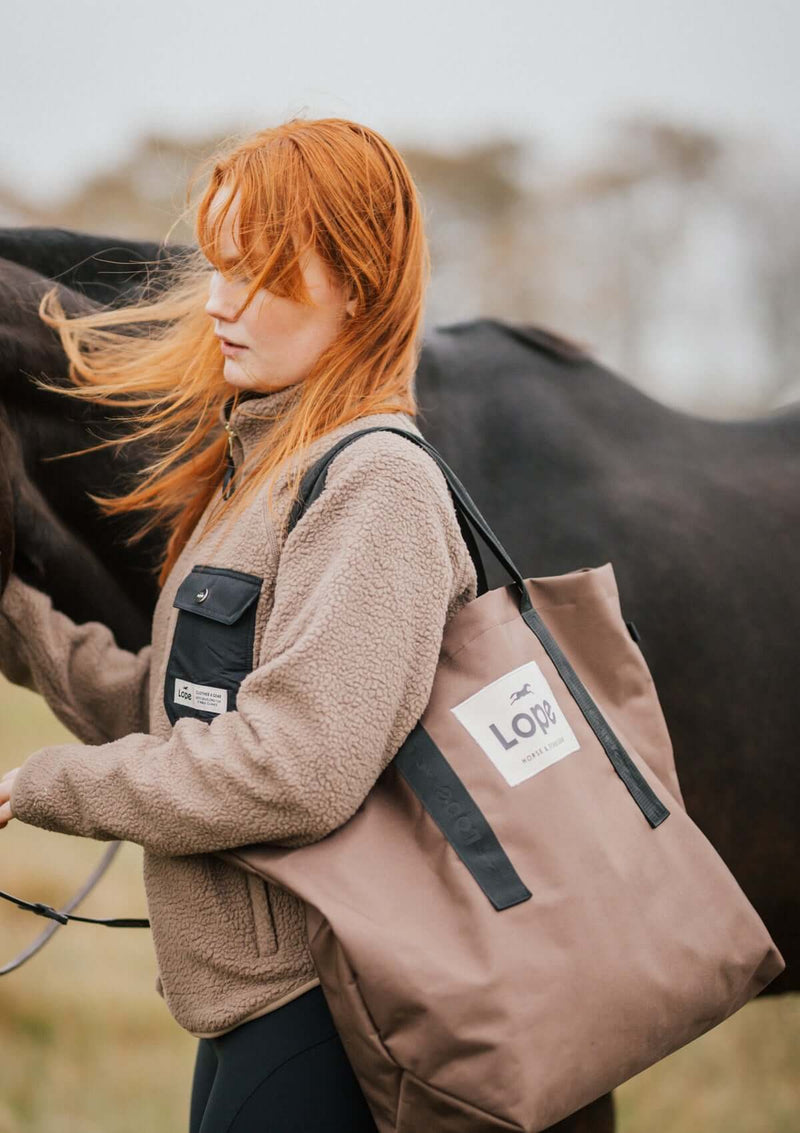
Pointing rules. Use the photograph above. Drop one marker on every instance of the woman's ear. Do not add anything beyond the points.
(350, 305)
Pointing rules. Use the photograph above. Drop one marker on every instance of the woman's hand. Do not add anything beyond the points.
(6, 783)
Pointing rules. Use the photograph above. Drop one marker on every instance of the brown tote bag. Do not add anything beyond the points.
(521, 915)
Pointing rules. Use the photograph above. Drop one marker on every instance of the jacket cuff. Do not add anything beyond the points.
(29, 793)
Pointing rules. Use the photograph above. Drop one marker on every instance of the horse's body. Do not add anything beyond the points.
(60, 542)
(572, 467)
(701, 520)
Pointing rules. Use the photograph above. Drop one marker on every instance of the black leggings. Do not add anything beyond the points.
(285, 1072)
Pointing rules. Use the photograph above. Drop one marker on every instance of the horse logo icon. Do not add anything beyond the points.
(526, 690)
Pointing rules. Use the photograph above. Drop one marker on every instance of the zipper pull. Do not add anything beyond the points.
(230, 468)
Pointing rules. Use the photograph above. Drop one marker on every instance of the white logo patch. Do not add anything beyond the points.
(205, 698)
(518, 723)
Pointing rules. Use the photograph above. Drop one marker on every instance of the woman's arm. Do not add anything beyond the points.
(365, 584)
(97, 690)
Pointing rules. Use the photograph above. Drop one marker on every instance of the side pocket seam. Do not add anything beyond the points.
(264, 928)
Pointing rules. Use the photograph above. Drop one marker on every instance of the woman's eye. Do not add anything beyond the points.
(233, 275)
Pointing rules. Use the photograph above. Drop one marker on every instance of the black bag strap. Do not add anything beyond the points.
(312, 484)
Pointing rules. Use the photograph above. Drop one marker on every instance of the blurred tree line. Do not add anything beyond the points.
(671, 253)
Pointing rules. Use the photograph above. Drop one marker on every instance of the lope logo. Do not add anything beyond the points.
(520, 741)
(205, 698)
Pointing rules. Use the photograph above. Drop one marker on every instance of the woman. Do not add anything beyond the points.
(283, 673)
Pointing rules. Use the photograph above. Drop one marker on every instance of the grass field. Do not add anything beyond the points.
(89, 1047)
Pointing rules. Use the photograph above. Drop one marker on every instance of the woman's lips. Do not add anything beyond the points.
(229, 347)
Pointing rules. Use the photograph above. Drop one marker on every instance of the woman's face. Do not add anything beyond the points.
(278, 340)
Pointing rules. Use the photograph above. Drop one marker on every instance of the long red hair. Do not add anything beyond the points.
(328, 183)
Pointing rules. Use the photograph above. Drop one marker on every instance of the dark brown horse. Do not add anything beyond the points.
(572, 466)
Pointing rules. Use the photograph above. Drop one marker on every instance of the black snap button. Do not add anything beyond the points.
(202, 595)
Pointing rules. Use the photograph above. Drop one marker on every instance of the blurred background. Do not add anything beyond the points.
(625, 174)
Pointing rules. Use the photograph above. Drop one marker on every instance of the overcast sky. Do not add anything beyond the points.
(79, 80)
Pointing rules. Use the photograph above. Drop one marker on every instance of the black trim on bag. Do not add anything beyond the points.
(460, 819)
(641, 792)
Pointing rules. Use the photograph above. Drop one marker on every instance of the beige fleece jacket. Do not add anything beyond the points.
(311, 699)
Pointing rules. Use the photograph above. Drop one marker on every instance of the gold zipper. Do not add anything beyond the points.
(231, 466)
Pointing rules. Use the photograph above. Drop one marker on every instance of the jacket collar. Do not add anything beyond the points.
(253, 415)
(254, 412)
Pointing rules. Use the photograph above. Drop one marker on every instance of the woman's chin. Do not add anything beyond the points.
(233, 373)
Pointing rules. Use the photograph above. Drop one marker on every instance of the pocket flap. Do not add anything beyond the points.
(217, 593)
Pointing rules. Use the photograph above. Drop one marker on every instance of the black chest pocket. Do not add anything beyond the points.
(212, 647)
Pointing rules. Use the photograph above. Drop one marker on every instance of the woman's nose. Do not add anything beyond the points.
(220, 304)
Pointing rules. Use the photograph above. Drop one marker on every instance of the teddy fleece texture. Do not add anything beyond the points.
(349, 624)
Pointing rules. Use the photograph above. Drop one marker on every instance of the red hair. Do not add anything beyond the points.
(330, 184)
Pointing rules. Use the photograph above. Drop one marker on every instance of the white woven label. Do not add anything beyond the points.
(518, 723)
(205, 698)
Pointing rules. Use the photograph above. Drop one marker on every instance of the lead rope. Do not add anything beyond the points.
(61, 916)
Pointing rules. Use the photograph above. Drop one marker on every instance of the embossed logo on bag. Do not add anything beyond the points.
(518, 723)
(205, 698)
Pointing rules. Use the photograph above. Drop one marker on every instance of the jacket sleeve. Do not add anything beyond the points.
(364, 585)
(97, 690)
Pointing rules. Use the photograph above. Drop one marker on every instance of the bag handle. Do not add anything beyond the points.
(466, 510)
(313, 482)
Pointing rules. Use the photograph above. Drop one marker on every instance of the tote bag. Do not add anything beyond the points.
(521, 915)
